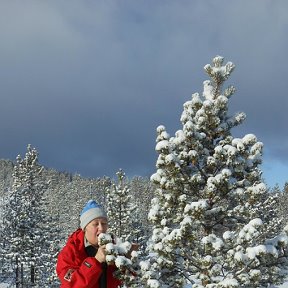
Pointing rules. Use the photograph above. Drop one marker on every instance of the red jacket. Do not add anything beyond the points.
(76, 270)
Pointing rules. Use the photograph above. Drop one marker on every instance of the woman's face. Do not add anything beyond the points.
(94, 228)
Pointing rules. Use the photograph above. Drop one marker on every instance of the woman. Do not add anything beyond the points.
(81, 263)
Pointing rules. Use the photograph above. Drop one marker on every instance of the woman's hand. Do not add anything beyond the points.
(101, 254)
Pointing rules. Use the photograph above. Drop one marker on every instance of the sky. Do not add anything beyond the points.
(87, 82)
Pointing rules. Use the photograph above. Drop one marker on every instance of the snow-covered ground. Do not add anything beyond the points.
(285, 285)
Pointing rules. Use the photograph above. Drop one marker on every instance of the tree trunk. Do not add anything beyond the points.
(22, 275)
(17, 273)
(32, 275)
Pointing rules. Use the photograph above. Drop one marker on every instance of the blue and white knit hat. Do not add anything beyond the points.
(91, 211)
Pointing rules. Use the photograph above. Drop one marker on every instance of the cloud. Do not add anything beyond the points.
(88, 83)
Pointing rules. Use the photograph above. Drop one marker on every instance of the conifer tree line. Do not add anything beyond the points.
(40, 208)
(205, 218)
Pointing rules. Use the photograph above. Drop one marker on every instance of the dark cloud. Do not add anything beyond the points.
(87, 83)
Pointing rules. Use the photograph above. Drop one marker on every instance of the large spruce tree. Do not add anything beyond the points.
(208, 228)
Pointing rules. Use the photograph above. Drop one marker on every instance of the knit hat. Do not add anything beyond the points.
(91, 211)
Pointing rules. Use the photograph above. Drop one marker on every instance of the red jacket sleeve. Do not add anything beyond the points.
(75, 274)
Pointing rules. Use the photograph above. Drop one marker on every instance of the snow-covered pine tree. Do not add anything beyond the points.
(24, 218)
(268, 209)
(283, 203)
(100, 187)
(142, 192)
(78, 195)
(285, 189)
(47, 235)
(5, 265)
(205, 216)
(120, 207)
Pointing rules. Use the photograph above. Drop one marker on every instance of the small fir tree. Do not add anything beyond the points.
(206, 216)
(120, 207)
